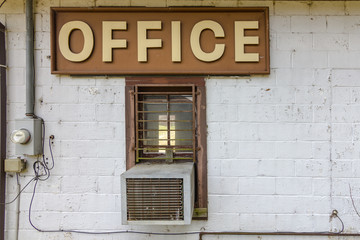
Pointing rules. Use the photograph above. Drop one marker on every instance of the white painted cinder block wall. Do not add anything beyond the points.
(282, 148)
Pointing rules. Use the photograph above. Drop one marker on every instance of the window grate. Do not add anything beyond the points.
(165, 123)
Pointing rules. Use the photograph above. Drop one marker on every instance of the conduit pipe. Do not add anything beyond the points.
(3, 126)
(319, 234)
(30, 67)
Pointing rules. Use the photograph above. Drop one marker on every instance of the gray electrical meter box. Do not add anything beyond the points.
(28, 136)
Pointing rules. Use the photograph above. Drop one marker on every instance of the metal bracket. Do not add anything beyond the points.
(3, 66)
(200, 214)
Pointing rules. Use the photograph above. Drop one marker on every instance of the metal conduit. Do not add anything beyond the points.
(319, 234)
(2, 128)
(30, 67)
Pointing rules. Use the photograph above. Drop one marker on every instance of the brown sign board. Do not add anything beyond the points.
(160, 41)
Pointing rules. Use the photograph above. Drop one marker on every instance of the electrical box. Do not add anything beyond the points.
(27, 136)
(14, 165)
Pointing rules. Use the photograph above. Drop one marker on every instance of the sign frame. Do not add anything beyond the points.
(60, 65)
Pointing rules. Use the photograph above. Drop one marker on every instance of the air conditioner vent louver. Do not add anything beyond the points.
(154, 199)
(161, 194)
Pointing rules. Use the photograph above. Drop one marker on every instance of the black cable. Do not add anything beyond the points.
(51, 153)
(342, 224)
(2, 3)
(43, 146)
(94, 233)
(19, 192)
(38, 166)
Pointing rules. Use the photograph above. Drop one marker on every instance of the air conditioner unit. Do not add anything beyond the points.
(158, 194)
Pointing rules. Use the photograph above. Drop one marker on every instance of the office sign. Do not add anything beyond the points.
(160, 41)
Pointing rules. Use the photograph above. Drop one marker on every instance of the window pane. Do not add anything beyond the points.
(165, 123)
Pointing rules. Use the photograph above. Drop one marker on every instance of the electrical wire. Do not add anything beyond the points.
(94, 232)
(342, 224)
(43, 147)
(42, 173)
(17, 196)
(2, 3)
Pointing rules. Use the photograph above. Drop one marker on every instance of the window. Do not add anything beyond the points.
(166, 123)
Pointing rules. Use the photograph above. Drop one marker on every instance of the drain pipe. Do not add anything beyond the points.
(30, 66)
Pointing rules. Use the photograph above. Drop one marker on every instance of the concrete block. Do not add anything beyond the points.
(312, 168)
(345, 77)
(77, 3)
(90, 203)
(77, 112)
(238, 131)
(257, 113)
(219, 112)
(96, 167)
(42, 40)
(344, 132)
(276, 168)
(16, 40)
(222, 150)
(256, 186)
(294, 113)
(328, 9)
(281, 59)
(277, 95)
(290, 8)
(108, 185)
(313, 95)
(239, 168)
(79, 148)
(342, 168)
(79, 184)
(295, 77)
(352, 8)
(16, 58)
(109, 112)
(97, 94)
(308, 24)
(340, 24)
(257, 150)
(148, 3)
(280, 24)
(294, 186)
(294, 150)
(321, 150)
(60, 94)
(255, 221)
(15, 22)
(341, 95)
(321, 186)
(331, 42)
(111, 3)
(321, 113)
(345, 150)
(294, 41)
(343, 59)
(310, 59)
(223, 185)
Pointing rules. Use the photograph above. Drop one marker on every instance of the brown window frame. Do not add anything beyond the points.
(201, 193)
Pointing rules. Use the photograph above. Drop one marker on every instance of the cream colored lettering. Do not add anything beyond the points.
(64, 41)
(143, 42)
(109, 43)
(176, 41)
(195, 41)
(241, 40)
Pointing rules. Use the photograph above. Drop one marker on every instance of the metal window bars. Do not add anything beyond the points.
(165, 123)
